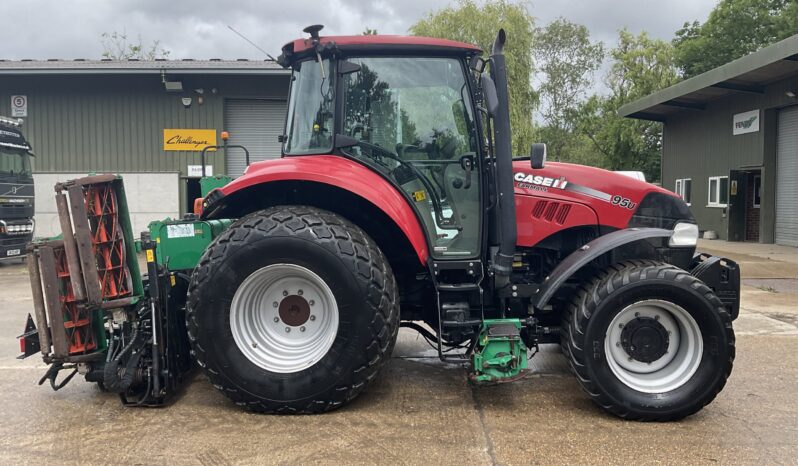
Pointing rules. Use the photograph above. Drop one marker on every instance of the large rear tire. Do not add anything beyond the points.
(649, 342)
(292, 310)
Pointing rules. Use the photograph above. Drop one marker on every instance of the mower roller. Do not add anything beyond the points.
(396, 202)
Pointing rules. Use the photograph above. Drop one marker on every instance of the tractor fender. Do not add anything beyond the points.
(336, 171)
(590, 251)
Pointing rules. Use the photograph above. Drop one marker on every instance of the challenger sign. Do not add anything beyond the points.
(188, 139)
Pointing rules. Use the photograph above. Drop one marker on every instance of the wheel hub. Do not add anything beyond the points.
(653, 346)
(284, 318)
(294, 310)
(645, 339)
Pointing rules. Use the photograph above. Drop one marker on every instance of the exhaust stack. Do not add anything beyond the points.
(503, 259)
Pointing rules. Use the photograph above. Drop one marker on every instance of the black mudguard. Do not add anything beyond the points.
(588, 253)
(723, 276)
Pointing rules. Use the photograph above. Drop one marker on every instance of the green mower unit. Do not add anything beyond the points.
(96, 314)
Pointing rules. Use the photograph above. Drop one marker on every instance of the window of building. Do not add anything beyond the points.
(718, 191)
(684, 189)
(757, 190)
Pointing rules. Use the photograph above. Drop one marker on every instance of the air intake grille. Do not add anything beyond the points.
(551, 211)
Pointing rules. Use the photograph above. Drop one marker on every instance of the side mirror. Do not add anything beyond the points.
(477, 64)
(537, 156)
(489, 94)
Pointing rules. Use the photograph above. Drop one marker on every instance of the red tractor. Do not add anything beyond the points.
(397, 202)
(397, 190)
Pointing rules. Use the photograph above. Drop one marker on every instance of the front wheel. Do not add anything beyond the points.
(292, 310)
(649, 342)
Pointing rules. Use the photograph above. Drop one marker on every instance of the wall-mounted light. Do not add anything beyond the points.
(173, 86)
(186, 101)
(791, 94)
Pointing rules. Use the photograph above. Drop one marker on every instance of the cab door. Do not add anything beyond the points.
(411, 118)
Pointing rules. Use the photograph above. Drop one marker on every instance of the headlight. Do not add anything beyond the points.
(684, 234)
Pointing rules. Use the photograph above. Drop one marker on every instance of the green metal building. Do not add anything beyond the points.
(147, 120)
(730, 144)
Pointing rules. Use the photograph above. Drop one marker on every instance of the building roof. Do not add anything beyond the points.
(107, 66)
(749, 74)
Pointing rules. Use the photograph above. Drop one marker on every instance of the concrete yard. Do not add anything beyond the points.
(422, 411)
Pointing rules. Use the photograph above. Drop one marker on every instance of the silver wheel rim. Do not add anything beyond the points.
(674, 368)
(271, 325)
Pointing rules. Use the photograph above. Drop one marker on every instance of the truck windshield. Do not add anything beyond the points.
(309, 125)
(14, 164)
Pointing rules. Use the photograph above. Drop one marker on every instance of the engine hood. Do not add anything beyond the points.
(615, 198)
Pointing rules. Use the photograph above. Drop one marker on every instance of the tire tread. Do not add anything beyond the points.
(591, 295)
(363, 257)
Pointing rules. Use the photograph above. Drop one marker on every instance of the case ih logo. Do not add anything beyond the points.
(541, 181)
(745, 124)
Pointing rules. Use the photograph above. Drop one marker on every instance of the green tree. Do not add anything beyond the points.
(566, 60)
(734, 28)
(640, 65)
(117, 46)
(478, 24)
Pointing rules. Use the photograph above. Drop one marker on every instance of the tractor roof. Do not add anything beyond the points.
(377, 43)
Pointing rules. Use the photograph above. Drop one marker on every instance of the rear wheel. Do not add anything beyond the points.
(292, 310)
(648, 341)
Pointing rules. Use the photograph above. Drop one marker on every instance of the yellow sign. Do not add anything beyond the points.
(150, 256)
(419, 196)
(188, 139)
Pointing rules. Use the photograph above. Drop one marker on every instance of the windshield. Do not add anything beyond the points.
(411, 119)
(14, 163)
(310, 109)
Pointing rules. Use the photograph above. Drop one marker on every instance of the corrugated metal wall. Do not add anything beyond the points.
(699, 144)
(116, 123)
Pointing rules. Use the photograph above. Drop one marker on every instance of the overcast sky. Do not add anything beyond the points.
(42, 29)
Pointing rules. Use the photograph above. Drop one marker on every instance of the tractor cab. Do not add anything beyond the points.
(406, 113)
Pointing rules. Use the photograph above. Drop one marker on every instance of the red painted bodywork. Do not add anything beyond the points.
(541, 210)
(345, 174)
(300, 45)
(544, 210)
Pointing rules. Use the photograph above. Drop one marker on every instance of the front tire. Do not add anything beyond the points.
(293, 309)
(649, 342)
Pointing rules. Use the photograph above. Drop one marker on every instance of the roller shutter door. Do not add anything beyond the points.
(254, 124)
(787, 178)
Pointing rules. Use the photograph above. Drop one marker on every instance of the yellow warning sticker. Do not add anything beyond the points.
(172, 279)
(150, 256)
(419, 195)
